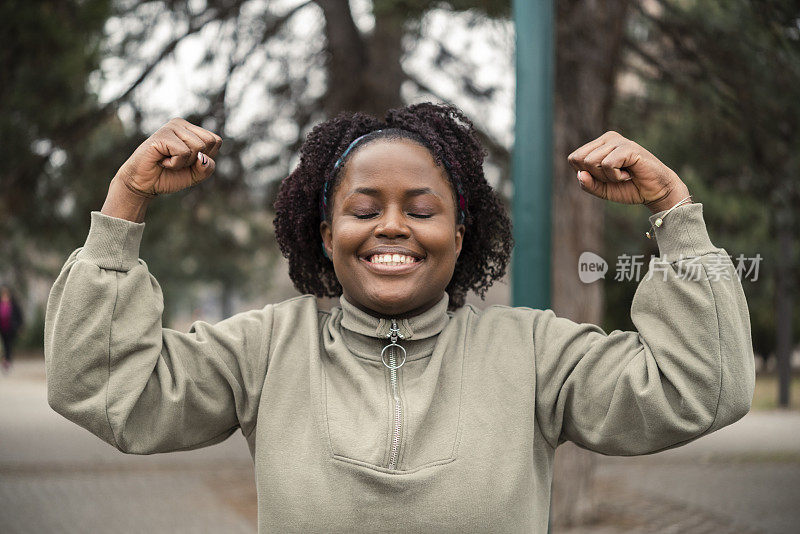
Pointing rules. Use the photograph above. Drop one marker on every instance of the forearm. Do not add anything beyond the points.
(677, 194)
(123, 203)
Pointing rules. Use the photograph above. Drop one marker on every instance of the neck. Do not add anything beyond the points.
(417, 326)
(398, 313)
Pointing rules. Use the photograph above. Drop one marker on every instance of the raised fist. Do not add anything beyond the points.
(177, 156)
(615, 168)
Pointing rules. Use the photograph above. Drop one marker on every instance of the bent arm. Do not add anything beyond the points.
(113, 369)
(686, 371)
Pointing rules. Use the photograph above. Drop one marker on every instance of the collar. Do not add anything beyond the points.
(425, 325)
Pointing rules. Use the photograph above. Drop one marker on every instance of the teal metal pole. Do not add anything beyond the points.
(532, 161)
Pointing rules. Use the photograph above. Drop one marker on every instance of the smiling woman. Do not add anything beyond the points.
(421, 142)
(402, 409)
(393, 242)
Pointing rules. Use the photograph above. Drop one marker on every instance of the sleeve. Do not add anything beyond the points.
(114, 370)
(685, 371)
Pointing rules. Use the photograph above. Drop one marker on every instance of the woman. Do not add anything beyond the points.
(391, 413)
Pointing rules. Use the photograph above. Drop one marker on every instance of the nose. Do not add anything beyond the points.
(392, 224)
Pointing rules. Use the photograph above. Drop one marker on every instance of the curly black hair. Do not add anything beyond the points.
(451, 138)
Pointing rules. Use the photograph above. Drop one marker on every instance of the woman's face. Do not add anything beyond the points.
(392, 235)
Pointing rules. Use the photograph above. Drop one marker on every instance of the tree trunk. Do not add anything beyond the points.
(588, 43)
(226, 300)
(346, 58)
(783, 304)
(364, 73)
(384, 74)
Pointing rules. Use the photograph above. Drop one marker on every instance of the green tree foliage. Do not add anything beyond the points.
(259, 81)
(50, 49)
(720, 102)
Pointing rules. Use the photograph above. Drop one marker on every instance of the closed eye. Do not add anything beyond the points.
(365, 215)
(420, 215)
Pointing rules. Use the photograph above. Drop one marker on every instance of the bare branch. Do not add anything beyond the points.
(498, 152)
(217, 99)
(194, 27)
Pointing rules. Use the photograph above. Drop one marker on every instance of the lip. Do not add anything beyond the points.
(380, 268)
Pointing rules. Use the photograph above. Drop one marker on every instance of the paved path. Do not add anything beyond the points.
(743, 479)
(56, 477)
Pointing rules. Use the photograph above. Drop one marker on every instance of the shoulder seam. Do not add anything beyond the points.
(299, 297)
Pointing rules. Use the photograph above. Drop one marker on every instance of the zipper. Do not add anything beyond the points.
(398, 411)
(393, 335)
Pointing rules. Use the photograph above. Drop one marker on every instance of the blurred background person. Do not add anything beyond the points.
(10, 323)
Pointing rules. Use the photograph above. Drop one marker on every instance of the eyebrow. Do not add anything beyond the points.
(369, 191)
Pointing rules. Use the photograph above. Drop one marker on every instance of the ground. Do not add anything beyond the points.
(56, 477)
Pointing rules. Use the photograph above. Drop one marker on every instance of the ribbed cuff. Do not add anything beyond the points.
(112, 243)
(683, 232)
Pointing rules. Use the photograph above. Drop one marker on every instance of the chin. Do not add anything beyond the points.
(401, 305)
(389, 307)
(390, 304)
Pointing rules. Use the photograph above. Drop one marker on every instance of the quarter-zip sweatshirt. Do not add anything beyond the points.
(459, 438)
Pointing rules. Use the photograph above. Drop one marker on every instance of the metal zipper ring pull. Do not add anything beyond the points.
(393, 367)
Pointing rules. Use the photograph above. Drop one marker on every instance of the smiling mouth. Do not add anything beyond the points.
(391, 260)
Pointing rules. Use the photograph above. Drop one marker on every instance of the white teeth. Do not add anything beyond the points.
(391, 259)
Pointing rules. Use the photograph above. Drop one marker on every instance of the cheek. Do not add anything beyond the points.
(441, 239)
(345, 236)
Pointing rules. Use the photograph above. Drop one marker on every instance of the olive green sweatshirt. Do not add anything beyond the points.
(459, 438)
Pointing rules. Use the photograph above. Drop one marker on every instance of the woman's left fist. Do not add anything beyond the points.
(615, 168)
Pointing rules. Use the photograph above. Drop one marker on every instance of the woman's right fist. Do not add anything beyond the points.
(177, 156)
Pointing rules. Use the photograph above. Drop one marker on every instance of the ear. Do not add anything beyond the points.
(460, 229)
(326, 232)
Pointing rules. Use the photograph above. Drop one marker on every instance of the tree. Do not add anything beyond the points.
(260, 73)
(728, 75)
(589, 37)
(51, 48)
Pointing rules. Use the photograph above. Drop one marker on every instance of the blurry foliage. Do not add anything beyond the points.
(720, 104)
(31, 336)
(271, 71)
(50, 48)
(262, 80)
(415, 8)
